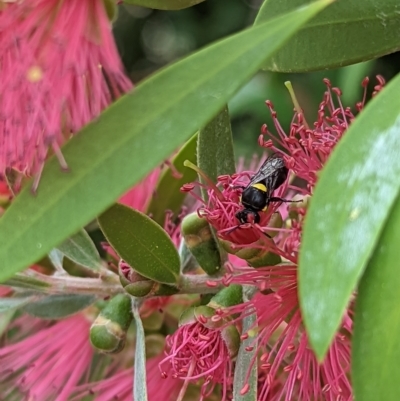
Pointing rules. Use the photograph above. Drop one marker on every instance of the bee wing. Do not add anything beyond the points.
(268, 168)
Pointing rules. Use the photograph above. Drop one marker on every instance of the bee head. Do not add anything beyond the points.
(248, 216)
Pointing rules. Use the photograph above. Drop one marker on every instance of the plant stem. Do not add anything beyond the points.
(65, 284)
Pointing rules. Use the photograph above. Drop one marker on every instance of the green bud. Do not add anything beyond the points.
(201, 242)
(134, 283)
(228, 296)
(257, 256)
(108, 331)
(139, 286)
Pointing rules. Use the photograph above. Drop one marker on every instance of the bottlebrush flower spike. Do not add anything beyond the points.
(288, 368)
(119, 385)
(224, 203)
(202, 348)
(59, 68)
(48, 364)
(306, 149)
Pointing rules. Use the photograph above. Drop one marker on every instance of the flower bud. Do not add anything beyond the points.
(139, 286)
(257, 255)
(108, 331)
(228, 296)
(201, 242)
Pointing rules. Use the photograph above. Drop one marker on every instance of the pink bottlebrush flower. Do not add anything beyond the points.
(287, 365)
(119, 385)
(48, 364)
(307, 149)
(196, 352)
(289, 369)
(224, 203)
(59, 69)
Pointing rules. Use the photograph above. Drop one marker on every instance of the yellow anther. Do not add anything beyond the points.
(34, 74)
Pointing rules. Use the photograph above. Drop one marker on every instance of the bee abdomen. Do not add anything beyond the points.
(254, 197)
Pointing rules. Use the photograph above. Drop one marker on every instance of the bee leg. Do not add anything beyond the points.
(233, 229)
(276, 199)
(267, 235)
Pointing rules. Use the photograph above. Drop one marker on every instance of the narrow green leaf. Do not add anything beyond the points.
(164, 4)
(142, 243)
(243, 364)
(215, 147)
(167, 193)
(133, 136)
(348, 210)
(139, 370)
(215, 157)
(80, 249)
(59, 306)
(28, 281)
(340, 35)
(377, 320)
(16, 302)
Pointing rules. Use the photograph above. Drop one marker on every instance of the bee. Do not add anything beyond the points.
(257, 195)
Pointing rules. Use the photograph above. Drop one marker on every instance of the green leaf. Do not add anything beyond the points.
(215, 147)
(59, 306)
(338, 36)
(16, 302)
(168, 195)
(348, 210)
(377, 320)
(80, 249)
(142, 243)
(164, 4)
(215, 157)
(244, 362)
(139, 370)
(5, 320)
(133, 136)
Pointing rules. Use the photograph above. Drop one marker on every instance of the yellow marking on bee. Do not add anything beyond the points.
(260, 186)
(264, 209)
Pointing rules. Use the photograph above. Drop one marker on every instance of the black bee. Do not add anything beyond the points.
(256, 196)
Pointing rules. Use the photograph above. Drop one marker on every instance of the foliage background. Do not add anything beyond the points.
(149, 39)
